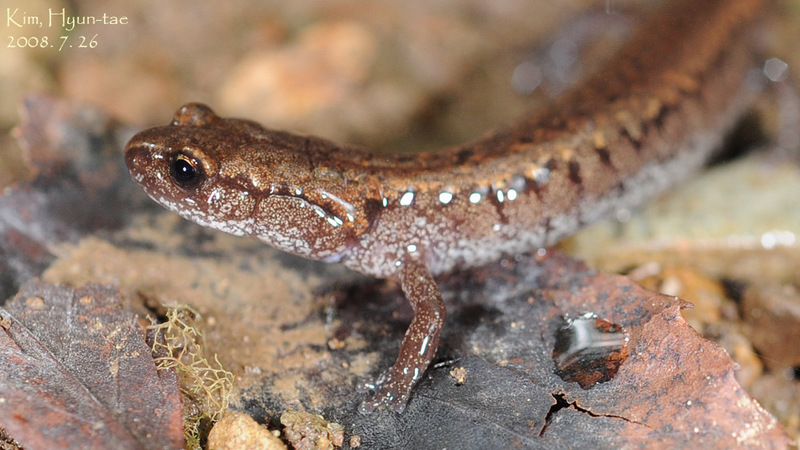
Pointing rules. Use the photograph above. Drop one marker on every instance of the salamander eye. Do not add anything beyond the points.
(186, 172)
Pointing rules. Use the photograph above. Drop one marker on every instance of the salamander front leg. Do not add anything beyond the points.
(420, 342)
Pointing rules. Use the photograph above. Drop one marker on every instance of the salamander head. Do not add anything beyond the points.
(238, 177)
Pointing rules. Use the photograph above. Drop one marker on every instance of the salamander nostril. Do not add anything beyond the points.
(134, 155)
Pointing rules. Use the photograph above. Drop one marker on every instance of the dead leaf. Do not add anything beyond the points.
(77, 372)
(670, 387)
(81, 185)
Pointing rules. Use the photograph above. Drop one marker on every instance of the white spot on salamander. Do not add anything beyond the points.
(424, 347)
(334, 221)
(215, 195)
(407, 199)
(344, 204)
(445, 197)
(475, 197)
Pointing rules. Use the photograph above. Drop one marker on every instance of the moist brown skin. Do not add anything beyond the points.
(653, 115)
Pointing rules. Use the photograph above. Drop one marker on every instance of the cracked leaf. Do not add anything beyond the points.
(673, 389)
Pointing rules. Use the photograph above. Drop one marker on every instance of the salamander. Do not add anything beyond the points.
(654, 114)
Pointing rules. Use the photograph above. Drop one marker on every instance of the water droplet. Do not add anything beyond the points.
(589, 350)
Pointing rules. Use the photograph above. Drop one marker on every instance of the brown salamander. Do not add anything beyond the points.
(652, 116)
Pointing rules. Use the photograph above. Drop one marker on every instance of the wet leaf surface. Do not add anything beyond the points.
(77, 373)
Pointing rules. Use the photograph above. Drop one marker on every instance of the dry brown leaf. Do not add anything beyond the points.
(77, 373)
